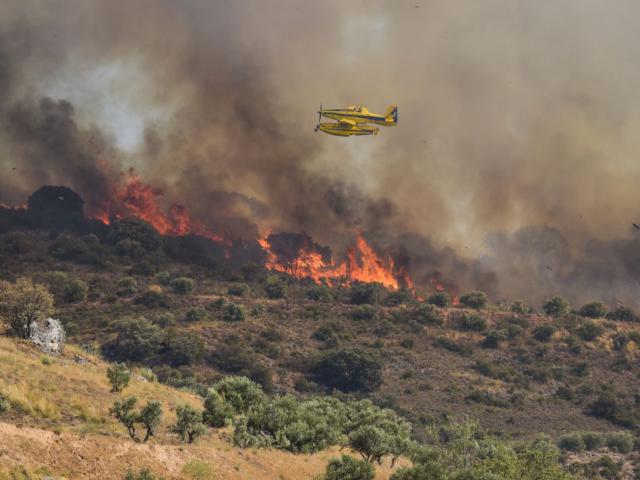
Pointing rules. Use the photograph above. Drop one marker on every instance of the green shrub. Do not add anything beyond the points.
(188, 424)
(197, 470)
(619, 340)
(426, 314)
(593, 310)
(238, 289)
(475, 300)
(4, 404)
(251, 271)
(217, 413)
(127, 286)
(592, 440)
(429, 471)
(275, 287)
(233, 313)
(520, 307)
(348, 370)
(163, 278)
(153, 297)
(319, 293)
(440, 299)
(470, 323)
(543, 333)
(137, 340)
(195, 315)
(590, 330)
(610, 408)
(453, 346)
(183, 348)
(493, 338)
(348, 468)
(68, 247)
(144, 474)
(622, 314)
(240, 393)
(621, 442)
(365, 293)
(75, 291)
(364, 312)
(140, 236)
(119, 376)
(556, 307)
(572, 442)
(182, 285)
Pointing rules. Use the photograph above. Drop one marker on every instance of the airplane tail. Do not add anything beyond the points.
(391, 114)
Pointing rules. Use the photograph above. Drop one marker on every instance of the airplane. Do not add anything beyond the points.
(354, 120)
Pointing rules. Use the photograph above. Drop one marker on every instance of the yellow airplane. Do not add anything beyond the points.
(354, 120)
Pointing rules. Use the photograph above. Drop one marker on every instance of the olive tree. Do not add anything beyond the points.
(22, 303)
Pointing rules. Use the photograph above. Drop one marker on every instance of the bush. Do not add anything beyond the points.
(543, 333)
(365, 293)
(154, 297)
(319, 293)
(470, 323)
(348, 468)
(592, 440)
(184, 348)
(590, 330)
(622, 314)
(556, 307)
(451, 345)
(240, 393)
(238, 289)
(348, 370)
(195, 315)
(520, 307)
(425, 314)
(475, 300)
(364, 312)
(182, 285)
(593, 310)
(493, 338)
(163, 278)
(141, 475)
(23, 303)
(127, 286)
(440, 299)
(251, 271)
(274, 287)
(429, 471)
(119, 376)
(150, 416)
(572, 442)
(4, 404)
(68, 247)
(188, 424)
(621, 442)
(139, 236)
(232, 312)
(217, 413)
(75, 291)
(137, 340)
(607, 406)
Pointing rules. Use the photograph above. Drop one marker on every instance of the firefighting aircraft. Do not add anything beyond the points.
(354, 120)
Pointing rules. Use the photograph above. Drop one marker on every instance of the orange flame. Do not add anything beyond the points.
(362, 264)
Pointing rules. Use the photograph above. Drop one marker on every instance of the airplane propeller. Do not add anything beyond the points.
(319, 118)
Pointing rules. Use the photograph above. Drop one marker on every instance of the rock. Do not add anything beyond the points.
(48, 335)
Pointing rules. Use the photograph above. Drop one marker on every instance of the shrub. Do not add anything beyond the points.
(150, 417)
(137, 340)
(365, 293)
(493, 338)
(428, 471)
(348, 370)
(119, 376)
(275, 287)
(593, 310)
(543, 333)
(621, 442)
(556, 307)
(163, 278)
(4, 404)
(232, 312)
(195, 315)
(425, 314)
(620, 341)
(607, 406)
(590, 330)
(364, 312)
(127, 286)
(141, 475)
(240, 393)
(440, 299)
(475, 300)
(451, 345)
(75, 291)
(154, 297)
(68, 247)
(238, 289)
(188, 424)
(22, 303)
(592, 440)
(470, 323)
(182, 285)
(319, 293)
(572, 442)
(622, 314)
(139, 236)
(217, 413)
(184, 348)
(348, 468)
(520, 307)
(251, 271)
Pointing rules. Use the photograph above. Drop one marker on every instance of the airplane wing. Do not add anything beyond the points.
(346, 122)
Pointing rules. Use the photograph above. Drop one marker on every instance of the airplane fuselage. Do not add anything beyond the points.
(359, 117)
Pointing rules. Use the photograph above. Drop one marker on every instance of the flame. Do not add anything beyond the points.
(362, 264)
(131, 197)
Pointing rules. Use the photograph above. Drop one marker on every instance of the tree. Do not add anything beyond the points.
(150, 417)
(429, 471)
(593, 310)
(188, 424)
(370, 442)
(184, 348)
(365, 293)
(556, 307)
(622, 314)
(137, 340)
(348, 370)
(123, 411)
(217, 413)
(239, 392)
(75, 291)
(23, 303)
(475, 300)
(348, 468)
(119, 376)
(440, 299)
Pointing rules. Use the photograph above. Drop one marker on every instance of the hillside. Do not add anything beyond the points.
(60, 426)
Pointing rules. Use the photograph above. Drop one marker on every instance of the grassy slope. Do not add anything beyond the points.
(59, 424)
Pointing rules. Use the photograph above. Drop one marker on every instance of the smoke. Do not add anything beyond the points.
(512, 170)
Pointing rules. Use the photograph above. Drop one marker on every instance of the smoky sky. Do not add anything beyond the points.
(513, 168)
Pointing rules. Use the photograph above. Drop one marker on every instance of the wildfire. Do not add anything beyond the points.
(133, 198)
(362, 264)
